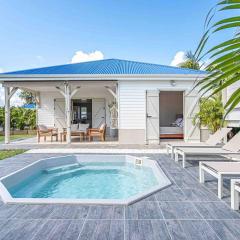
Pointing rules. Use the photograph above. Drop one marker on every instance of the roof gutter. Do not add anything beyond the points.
(99, 77)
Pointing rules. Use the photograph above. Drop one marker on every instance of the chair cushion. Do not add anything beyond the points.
(43, 128)
(74, 127)
(83, 127)
(102, 127)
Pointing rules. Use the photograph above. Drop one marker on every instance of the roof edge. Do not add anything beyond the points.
(93, 77)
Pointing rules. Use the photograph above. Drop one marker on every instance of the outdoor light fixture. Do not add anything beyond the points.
(173, 83)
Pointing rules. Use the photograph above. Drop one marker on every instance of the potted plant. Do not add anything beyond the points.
(211, 114)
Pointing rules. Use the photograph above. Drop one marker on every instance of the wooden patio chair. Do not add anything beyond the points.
(97, 132)
(44, 131)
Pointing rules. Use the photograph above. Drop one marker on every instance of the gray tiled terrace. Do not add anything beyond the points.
(185, 210)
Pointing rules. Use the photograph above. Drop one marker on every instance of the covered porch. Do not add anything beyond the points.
(65, 105)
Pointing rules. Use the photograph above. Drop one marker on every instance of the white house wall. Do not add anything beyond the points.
(233, 118)
(46, 111)
(132, 106)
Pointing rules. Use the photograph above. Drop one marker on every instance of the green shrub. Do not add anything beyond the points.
(210, 114)
(20, 118)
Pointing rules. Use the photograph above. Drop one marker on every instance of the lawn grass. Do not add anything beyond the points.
(16, 137)
(10, 153)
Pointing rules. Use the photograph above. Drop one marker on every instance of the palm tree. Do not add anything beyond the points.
(190, 61)
(27, 97)
(224, 67)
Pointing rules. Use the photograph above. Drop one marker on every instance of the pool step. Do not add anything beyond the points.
(63, 168)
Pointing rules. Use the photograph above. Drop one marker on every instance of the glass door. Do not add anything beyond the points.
(82, 111)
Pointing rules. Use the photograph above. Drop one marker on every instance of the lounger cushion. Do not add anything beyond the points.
(229, 167)
(218, 136)
(234, 144)
(204, 151)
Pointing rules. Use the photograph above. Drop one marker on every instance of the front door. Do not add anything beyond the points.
(98, 112)
(82, 111)
(191, 107)
(152, 117)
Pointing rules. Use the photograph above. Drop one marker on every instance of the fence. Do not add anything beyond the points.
(20, 132)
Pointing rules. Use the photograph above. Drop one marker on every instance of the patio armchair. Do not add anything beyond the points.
(44, 131)
(97, 132)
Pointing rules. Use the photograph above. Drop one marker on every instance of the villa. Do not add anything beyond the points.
(152, 101)
(120, 149)
(114, 191)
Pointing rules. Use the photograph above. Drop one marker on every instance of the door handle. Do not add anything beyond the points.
(148, 116)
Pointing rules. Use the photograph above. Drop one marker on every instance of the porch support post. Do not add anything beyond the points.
(68, 111)
(7, 114)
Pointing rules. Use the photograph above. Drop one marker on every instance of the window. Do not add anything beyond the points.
(83, 113)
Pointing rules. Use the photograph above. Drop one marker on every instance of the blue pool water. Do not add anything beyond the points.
(87, 181)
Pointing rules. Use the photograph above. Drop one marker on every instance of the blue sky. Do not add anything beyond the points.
(42, 33)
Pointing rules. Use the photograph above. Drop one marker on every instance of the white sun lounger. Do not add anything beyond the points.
(235, 190)
(213, 140)
(230, 148)
(219, 170)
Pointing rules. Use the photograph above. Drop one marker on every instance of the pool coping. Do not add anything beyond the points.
(7, 198)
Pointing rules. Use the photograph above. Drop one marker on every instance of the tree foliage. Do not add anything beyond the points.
(210, 114)
(20, 118)
(224, 67)
(27, 97)
(190, 62)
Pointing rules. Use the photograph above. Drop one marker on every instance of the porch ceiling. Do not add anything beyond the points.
(51, 86)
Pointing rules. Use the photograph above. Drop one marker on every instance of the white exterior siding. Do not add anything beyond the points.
(233, 118)
(45, 114)
(46, 111)
(132, 106)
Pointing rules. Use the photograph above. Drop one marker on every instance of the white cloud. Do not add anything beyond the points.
(81, 56)
(178, 58)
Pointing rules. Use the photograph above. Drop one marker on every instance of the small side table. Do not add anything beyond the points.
(63, 135)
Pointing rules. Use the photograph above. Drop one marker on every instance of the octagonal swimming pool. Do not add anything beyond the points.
(84, 179)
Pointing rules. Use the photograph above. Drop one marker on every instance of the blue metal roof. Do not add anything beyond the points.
(109, 66)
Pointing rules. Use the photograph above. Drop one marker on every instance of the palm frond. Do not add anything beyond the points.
(228, 2)
(224, 66)
(231, 7)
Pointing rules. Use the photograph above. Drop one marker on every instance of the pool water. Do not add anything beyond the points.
(87, 181)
